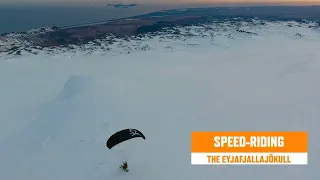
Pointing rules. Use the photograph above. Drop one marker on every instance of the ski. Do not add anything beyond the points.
(126, 170)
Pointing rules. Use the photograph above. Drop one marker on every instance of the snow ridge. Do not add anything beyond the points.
(32, 37)
(213, 32)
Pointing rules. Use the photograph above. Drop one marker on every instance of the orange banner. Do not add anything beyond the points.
(254, 142)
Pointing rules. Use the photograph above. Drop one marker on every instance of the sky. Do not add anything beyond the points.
(76, 2)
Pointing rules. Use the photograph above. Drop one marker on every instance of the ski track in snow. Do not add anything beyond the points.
(58, 111)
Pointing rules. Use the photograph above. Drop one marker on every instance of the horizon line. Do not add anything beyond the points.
(226, 4)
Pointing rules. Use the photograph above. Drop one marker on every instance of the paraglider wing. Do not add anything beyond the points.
(123, 135)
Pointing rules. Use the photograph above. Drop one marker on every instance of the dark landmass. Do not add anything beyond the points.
(120, 5)
(268, 12)
(156, 21)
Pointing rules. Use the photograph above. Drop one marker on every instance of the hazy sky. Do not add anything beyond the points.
(160, 2)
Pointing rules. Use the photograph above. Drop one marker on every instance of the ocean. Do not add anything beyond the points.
(23, 18)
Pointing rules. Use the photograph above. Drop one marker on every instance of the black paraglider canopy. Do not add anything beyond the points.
(123, 135)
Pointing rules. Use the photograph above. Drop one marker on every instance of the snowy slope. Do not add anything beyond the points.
(57, 111)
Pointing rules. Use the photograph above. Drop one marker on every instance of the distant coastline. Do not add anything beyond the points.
(154, 23)
(24, 18)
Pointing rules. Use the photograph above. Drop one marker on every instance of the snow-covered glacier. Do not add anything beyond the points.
(60, 105)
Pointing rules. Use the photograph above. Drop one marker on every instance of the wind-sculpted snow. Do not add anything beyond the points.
(58, 109)
(74, 86)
